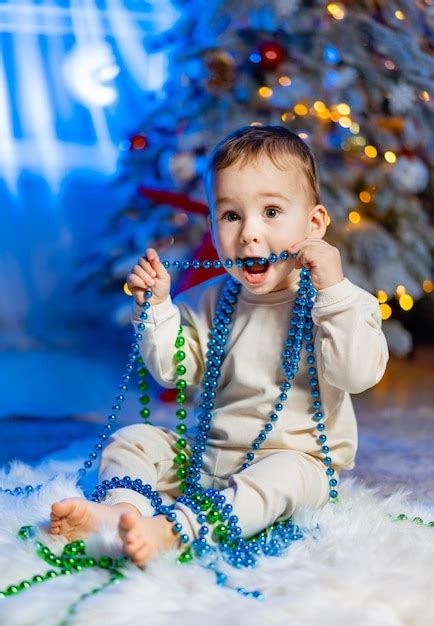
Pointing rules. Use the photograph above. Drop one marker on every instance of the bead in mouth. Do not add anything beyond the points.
(255, 273)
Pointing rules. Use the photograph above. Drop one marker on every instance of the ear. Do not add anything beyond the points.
(318, 218)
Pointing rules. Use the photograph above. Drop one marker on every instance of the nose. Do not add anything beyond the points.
(249, 232)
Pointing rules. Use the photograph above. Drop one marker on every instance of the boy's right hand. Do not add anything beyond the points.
(149, 273)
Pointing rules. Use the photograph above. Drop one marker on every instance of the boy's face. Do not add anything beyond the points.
(257, 209)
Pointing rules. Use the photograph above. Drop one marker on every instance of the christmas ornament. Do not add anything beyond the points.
(220, 66)
(401, 98)
(409, 174)
(183, 167)
(138, 142)
(271, 55)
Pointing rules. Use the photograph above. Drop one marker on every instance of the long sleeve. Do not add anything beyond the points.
(351, 348)
(157, 347)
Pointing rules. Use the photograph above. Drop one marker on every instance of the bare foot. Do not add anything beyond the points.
(76, 518)
(145, 537)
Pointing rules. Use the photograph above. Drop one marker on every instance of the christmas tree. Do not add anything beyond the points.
(353, 79)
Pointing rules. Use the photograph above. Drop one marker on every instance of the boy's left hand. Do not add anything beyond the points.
(322, 259)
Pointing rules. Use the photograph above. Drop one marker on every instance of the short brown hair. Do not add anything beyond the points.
(246, 143)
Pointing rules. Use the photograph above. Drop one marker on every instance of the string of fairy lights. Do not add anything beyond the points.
(355, 142)
(341, 114)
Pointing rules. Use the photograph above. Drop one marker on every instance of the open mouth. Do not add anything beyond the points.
(256, 267)
(257, 271)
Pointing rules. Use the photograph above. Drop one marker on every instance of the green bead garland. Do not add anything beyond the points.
(72, 560)
(181, 459)
(402, 517)
(144, 399)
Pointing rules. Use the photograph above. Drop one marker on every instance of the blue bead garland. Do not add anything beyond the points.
(234, 549)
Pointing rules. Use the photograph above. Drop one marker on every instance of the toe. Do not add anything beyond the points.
(141, 557)
(127, 522)
(62, 508)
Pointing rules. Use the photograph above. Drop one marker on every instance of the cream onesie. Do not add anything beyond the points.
(288, 470)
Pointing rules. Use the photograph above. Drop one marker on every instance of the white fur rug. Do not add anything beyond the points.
(360, 569)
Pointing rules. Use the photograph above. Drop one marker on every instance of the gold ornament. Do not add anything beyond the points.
(392, 124)
(221, 69)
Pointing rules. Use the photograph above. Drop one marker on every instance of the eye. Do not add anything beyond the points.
(226, 215)
(274, 210)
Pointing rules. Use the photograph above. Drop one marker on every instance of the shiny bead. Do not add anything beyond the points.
(180, 458)
(181, 414)
(221, 530)
(180, 370)
(185, 556)
(105, 562)
(24, 585)
(213, 517)
(180, 355)
(333, 493)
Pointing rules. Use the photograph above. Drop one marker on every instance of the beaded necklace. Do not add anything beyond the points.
(213, 514)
